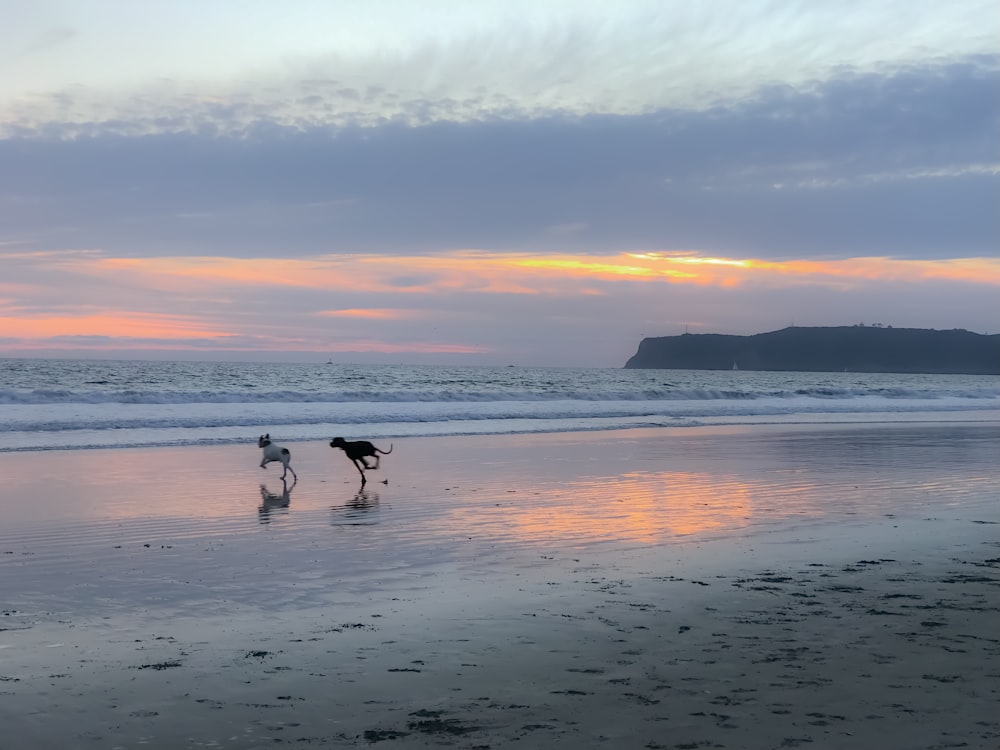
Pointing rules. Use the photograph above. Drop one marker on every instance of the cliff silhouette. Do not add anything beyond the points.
(832, 349)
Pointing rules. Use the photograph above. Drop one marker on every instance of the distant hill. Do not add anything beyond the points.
(852, 348)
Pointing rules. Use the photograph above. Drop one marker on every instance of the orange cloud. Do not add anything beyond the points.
(373, 314)
(981, 270)
(510, 273)
(184, 273)
(205, 288)
(118, 325)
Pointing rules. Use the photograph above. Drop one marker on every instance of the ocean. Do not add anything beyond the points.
(49, 404)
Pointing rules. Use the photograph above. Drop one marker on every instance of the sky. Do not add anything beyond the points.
(540, 182)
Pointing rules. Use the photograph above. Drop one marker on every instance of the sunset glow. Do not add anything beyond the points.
(418, 282)
(500, 273)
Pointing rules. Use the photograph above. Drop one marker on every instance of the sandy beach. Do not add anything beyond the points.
(729, 587)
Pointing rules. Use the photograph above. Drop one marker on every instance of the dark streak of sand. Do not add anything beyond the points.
(900, 654)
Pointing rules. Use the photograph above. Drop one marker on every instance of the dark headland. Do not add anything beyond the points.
(833, 349)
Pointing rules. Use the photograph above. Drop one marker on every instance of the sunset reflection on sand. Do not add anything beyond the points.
(644, 507)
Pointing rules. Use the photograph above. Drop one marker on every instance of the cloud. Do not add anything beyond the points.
(370, 313)
(903, 165)
(458, 61)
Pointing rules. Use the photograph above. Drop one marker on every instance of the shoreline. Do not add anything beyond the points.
(817, 420)
(733, 588)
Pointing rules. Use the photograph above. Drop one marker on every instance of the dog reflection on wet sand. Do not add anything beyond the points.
(358, 511)
(274, 501)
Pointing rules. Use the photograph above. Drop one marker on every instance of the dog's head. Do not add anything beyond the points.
(264, 440)
(338, 443)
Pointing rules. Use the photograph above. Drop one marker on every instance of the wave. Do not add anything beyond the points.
(438, 416)
(123, 404)
(296, 432)
(60, 396)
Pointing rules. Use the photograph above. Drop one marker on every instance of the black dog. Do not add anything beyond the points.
(357, 450)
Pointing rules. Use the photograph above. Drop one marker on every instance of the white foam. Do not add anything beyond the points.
(132, 404)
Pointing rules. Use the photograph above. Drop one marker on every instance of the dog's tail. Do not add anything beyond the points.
(385, 453)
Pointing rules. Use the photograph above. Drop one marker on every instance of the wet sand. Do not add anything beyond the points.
(747, 587)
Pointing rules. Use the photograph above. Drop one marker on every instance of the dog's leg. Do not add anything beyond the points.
(360, 471)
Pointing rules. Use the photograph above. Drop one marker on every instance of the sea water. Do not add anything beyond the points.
(50, 404)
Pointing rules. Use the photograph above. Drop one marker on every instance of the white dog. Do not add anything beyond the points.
(274, 452)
